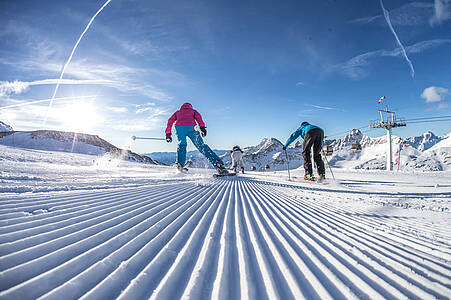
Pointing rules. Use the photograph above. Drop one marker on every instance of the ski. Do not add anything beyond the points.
(323, 182)
(224, 175)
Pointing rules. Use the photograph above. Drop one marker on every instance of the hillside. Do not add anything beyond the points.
(52, 140)
(5, 127)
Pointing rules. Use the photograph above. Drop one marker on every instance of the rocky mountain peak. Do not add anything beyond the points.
(5, 127)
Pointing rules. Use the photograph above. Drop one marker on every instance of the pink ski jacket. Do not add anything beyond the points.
(186, 115)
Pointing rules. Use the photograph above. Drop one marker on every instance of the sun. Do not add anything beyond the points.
(78, 116)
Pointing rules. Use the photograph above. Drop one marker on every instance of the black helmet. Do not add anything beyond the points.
(304, 123)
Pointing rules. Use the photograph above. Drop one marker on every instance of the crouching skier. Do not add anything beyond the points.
(237, 158)
(313, 138)
(185, 119)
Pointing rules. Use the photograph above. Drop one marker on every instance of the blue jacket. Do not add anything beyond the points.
(301, 131)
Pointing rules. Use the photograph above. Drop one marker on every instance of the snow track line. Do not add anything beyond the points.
(59, 201)
(67, 228)
(92, 276)
(32, 286)
(95, 205)
(234, 238)
(314, 240)
(117, 281)
(408, 266)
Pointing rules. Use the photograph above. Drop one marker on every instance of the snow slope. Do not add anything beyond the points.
(5, 127)
(72, 142)
(427, 152)
(81, 227)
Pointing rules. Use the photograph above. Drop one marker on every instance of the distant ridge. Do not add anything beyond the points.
(73, 142)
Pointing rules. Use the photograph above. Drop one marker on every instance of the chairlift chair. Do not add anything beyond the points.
(356, 147)
(328, 150)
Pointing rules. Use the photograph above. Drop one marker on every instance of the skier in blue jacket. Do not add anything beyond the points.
(313, 138)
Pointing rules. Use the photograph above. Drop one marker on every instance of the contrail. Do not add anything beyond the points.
(45, 100)
(387, 18)
(72, 53)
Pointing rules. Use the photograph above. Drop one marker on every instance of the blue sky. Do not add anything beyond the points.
(253, 69)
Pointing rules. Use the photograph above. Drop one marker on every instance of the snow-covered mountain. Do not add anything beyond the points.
(5, 127)
(52, 140)
(427, 152)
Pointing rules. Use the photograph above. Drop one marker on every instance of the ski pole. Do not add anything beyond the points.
(333, 177)
(288, 167)
(147, 138)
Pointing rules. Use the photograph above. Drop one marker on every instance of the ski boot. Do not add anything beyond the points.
(181, 168)
(309, 177)
(321, 177)
(220, 168)
(242, 170)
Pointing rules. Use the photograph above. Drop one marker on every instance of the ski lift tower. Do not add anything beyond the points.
(388, 123)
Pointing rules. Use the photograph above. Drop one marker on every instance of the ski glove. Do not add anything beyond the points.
(284, 148)
(203, 131)
(168, 137)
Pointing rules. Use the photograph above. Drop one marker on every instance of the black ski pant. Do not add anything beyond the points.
(313, 139)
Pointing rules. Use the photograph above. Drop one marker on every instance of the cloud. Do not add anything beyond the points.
(117, 109)
(434, 94)
(356, 67)
(45, 56)
(14, 87)
(410, 14)
(404, 53)
(300, 83)
(140, 108)
(442, 12)
(442, 105)
(321, 107)
(18, 87)
(32, 102)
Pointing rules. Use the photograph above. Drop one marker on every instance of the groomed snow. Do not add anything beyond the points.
(80, 226)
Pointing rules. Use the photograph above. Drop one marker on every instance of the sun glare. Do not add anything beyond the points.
(79, 116)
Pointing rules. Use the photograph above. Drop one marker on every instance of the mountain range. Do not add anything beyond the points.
(427, 152)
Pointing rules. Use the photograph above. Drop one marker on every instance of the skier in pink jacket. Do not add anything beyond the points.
(185, 119)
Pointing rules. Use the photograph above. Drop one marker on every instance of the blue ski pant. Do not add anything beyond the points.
(184, 131)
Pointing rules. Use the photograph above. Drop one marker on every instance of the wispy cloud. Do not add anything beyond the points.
(410, 14)
(75, 48)
(18, 87)
(22, 103)
(404, 53)
(140, 108)
(321, 107)
(356, 67)
(116, 109)
(43, 56)
(442, 12)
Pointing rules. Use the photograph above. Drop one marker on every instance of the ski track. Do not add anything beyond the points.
(233, 238)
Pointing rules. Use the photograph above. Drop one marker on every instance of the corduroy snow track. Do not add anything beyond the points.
(233, 238)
